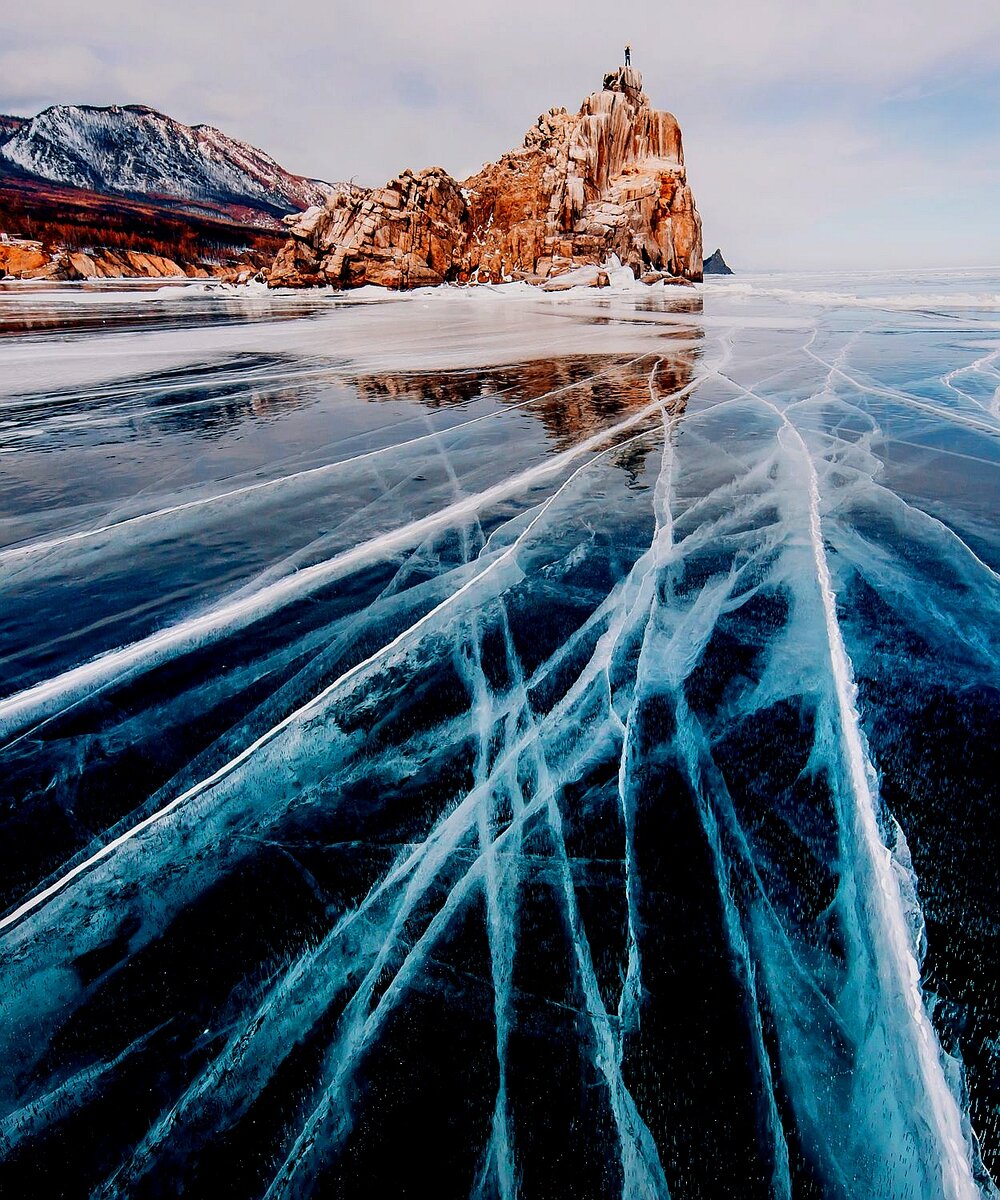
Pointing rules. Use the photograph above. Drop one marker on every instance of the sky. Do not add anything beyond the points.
(819, 134)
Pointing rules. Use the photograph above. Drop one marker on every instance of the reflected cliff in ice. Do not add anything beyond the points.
(572, 397)
(538, 744)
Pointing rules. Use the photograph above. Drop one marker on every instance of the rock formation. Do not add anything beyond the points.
(607, 180)
(715, 264)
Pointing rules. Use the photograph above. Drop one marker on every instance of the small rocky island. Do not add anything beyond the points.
(715, 264)
(607, 180)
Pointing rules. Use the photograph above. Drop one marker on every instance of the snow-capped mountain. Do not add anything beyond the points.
(134, 150)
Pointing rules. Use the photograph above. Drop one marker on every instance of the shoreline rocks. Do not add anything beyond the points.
(31, 260)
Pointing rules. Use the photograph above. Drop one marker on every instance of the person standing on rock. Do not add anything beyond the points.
(628, 55)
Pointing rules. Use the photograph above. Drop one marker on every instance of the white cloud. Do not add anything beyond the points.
(33, 75)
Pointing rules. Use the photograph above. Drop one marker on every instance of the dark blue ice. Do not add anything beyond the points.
(494, 745)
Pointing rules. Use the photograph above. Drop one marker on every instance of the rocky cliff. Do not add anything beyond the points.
(609, 179)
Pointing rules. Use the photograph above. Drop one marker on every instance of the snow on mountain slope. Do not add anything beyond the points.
(134, 149)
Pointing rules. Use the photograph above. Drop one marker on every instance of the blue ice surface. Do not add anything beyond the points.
(522, 745)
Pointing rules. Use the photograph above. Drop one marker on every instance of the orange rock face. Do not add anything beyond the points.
(18, 259)
(31, 260)
(609, 179)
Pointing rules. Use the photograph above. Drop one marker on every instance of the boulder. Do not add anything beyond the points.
(83, 265)
(152, 266)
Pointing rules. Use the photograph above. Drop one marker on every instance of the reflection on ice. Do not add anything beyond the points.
(544, 736)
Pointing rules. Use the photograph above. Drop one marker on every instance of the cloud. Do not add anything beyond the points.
(802, 121)
(31, 76)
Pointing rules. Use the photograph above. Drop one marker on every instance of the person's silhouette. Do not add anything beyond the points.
(628, 55)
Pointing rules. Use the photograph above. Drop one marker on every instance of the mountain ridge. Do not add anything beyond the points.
(136, 150)
(125, 190)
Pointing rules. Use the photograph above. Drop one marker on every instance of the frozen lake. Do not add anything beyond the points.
(504, 743)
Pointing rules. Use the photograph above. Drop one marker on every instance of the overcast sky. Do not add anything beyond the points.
(818, 133)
